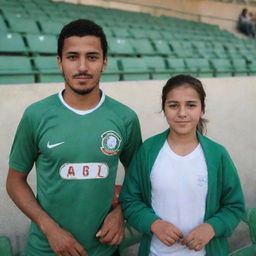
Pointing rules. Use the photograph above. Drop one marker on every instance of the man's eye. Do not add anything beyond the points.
(71, 57)
(173, 105)
(92, 57)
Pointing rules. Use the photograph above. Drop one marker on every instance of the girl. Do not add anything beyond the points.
(182, 190)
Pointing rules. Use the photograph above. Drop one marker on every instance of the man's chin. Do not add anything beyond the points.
(82, 92)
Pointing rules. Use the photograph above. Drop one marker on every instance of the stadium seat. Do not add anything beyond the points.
(12, 43)
(250, 250)
(112, 72)
(3, 26)
(108, 31)
(134, 69)
(16, 70)
(252, 67)
(199, 67)
(222, 67)
(162, 47)
(177, 66)
(23, 25)
(240, 67)
(5, 246)
(121, 32)
(121, 46)
(157, 66)
(42, 43)
(131, 237)
(50, 27)
(143, 46)
(138, 33)
(153, 34)
(47, 69)
(181, 50)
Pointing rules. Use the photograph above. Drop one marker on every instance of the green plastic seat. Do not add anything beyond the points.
(246, 251)
(3, 26)
(138, 33)
(51, 27)
(177, 66)
(16, 70)
(240, 67)
(181, 49)
(112, 72)
(222, 67)
(120, 46)
(5, 246)
(250, 250)
(131, 237)
(135, 69)
(12, 43)
(41, 43)
(25, 25)
(162, 47)
(121, 32)
(143, 46)
(158, 67)
(252, 67)
(199, 67)
(47, 69)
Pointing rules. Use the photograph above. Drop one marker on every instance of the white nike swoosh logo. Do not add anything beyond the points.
(53, 145)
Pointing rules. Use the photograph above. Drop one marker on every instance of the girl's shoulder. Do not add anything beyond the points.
(211, 145)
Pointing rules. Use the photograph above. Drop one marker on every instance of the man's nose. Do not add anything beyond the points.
(83, 65)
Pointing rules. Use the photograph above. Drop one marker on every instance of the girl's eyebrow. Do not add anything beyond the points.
(169, 101)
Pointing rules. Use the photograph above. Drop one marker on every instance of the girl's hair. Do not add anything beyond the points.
(194, 83)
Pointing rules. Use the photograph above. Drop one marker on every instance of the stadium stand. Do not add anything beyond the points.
(16, 70)
(29, 29)
(46, 67)
(112, 72)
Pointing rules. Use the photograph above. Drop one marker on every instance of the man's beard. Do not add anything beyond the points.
(82, 91)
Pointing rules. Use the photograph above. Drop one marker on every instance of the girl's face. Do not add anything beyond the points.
(183, 110)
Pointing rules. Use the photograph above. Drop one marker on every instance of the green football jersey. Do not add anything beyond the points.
(76, 155)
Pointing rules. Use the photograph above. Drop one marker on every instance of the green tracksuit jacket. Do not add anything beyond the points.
(224, 203)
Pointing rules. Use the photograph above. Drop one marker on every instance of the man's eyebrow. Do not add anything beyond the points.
(71, 53)
(95, 53)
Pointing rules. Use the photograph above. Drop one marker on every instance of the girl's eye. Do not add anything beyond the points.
(173, 105)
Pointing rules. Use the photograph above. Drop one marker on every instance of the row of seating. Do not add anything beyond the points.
(21, 69)
(155, 67)
(19, 23)
(15, 43)
(141, 46)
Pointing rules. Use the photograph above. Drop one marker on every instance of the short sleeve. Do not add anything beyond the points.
(24, 150)
(132, 142)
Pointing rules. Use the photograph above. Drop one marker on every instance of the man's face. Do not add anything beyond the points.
(82, 63)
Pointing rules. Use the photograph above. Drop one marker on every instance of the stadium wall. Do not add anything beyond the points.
(230, 109)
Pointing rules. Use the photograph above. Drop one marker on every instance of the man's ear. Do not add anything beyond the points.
(105, 63)
(59, 63)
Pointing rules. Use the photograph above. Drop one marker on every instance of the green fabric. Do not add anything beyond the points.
(224, 204)
(75, 179)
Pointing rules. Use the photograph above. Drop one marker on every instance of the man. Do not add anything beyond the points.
(75, 138)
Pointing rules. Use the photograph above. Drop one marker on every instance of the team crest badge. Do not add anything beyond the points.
(110, 143)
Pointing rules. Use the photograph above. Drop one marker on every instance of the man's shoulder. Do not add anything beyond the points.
(40, 107)
(119, 108)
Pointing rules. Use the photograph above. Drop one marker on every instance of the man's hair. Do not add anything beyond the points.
(82, 27)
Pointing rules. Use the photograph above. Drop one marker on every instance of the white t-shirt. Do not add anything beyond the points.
(179, 190)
